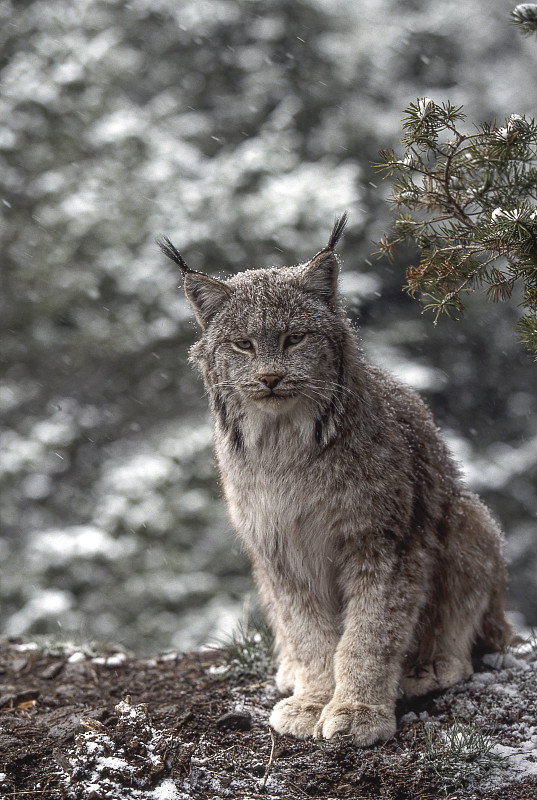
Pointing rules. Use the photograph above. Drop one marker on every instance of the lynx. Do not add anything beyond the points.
(381, 574)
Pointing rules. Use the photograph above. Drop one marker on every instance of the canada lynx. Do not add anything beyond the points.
(379, 571)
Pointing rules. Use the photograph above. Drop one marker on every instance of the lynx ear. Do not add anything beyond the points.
(320, 276)
(206, 295)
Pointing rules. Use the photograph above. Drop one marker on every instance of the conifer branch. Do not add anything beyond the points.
(468, 201)
(525, 17)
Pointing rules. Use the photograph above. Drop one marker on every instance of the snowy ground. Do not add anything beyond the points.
(195, 728)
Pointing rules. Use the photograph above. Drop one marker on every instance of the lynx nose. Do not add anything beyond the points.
(271, 379)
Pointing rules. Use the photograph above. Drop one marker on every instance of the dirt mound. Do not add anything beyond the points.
(85, 727)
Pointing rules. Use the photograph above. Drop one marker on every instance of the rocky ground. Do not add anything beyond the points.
(84, 726)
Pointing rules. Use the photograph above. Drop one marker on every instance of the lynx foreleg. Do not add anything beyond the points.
(380, 619)
(310, 643)
(287, 664)
(285, 679)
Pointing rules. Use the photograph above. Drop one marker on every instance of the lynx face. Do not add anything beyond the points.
(273, 339)
(269, 367)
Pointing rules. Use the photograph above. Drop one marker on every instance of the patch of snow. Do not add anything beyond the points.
(504, 661)
(142, 472)
(521, 760)
(419, 376)
(173, 656)
(37, 486)
(214, 669)
(110, 661)
(501, 703)
(104, 763)
(27, 647)
(391, 358)
(112, 762)
(17, 453)
(58, 431)
(167, 791)
(76, 657)
(425, 104)
(118, 125)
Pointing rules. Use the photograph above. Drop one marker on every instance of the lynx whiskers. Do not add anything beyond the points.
(379, 571)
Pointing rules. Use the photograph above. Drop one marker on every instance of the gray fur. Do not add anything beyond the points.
(379, 571)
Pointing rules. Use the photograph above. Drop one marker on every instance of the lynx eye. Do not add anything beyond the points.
(293, 338)
(243, 344)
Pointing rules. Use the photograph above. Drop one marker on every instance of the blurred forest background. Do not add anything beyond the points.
(240, 129)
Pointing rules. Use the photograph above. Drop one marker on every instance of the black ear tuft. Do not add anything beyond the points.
(337, 231)
(172, 252)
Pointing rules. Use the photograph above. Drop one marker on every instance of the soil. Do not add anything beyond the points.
(179, 726)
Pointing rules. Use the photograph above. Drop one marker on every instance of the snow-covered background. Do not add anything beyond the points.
(240, 128)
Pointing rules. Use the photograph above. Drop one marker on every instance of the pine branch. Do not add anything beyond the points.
(468, 201)
(525, 17)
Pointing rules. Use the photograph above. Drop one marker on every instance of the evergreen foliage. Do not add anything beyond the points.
(525, 17)
(469, 201)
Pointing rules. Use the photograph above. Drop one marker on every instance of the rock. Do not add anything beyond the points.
(61, 723)
(7, 742)
(234, 721)
(51, 672)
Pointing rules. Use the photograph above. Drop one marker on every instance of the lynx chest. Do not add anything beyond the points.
(281, 512)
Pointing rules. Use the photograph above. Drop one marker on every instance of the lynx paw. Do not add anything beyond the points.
(285, 677)
(435, 676)
(367, 724)
(295, 716)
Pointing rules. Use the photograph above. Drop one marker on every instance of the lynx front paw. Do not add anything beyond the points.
(296, 716)
(367, 724)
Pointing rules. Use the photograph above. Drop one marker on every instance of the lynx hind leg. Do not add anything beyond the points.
(436, 675)
(466, 612)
